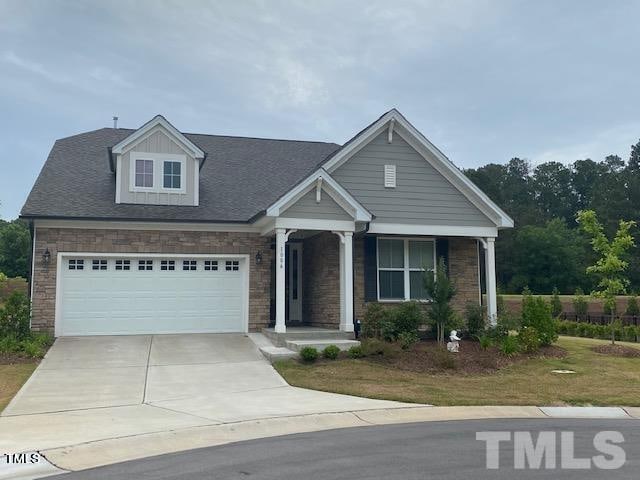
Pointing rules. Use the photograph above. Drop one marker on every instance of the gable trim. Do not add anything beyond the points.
(343, 198)
(396, 121)
(158, 120)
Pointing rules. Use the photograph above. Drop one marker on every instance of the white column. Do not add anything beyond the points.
(343, 312)
(490, 276)
(346, 324)
(281, 240)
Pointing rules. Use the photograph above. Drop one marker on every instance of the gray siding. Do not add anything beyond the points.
(422, 195)
(307, 207)
(157, 142)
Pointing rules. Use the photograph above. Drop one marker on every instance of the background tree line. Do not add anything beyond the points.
(546, 249)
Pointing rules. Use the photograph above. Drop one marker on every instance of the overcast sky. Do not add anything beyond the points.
(483, 80)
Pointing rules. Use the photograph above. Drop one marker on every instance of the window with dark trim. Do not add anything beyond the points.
(211, 265)
(99, 264)
(232, 265)
(123, 264)
(189, 265)
(167, 265)
(76, 264)
(145, 265)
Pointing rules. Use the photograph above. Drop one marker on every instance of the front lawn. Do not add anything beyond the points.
(12, 377)
(599, 380)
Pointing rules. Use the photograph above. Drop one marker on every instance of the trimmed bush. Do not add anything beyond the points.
(15, 316)
(528, 340)
(309, 354)
(356, 352)
(408, 339)
(474, 314)
(509, 346)
(374, 317)
(331, 352)
(536, 313)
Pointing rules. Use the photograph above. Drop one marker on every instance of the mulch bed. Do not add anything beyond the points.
(617, 350)
(13, 358)
(429, 357)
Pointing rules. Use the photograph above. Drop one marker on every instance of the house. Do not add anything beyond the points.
(158, 231)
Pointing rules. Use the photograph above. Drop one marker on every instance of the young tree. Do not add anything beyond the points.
(610, 266)
(440, 290)
(556, 304)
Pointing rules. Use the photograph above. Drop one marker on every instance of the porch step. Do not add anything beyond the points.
(273, 354)
(321, 343)
(305, 333)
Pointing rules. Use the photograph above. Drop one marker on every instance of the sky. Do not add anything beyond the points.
(484, 80)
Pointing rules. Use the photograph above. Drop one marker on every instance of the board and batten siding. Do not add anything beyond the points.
(421, 196)
(307, 207)
(158, 142)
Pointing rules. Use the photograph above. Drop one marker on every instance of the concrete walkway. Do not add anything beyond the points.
(95, 389)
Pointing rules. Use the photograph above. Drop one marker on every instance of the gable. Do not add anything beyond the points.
(308, 207)
(422, 194)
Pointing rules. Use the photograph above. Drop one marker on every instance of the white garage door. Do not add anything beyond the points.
(106, 295)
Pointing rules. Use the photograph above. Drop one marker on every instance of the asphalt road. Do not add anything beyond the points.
(441, 450)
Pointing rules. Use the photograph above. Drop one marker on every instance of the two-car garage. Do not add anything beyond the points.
(122, 294)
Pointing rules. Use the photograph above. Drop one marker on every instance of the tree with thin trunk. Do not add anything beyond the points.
(610, 266)
(440, 289)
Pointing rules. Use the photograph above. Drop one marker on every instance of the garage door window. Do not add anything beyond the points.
(123, 264)
(167, 265)
(145, 265)
(211, 265)
(99, 265)
(75, 264)
(189, 265)
(232, 265)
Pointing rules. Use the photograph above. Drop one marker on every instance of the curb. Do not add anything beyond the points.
(27, 471)
(115, 450)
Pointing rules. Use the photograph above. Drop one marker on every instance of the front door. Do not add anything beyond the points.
(295, 282)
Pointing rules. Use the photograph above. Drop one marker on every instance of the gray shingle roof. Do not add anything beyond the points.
(240, 178)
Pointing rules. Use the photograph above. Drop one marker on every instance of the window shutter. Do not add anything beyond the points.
(390, 176)
(442, 250)
(370, 269)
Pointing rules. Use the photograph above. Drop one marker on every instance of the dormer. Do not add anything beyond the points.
(157, 165)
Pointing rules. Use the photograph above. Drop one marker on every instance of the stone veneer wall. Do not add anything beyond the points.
(321, 280)
(148, 241)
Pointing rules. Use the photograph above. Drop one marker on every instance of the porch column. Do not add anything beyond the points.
(490, 274)
(347, 324)
(281, 240)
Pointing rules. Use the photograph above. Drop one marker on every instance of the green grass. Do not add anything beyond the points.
(12, 377)
(600, 380)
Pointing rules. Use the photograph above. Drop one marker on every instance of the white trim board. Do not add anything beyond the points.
(434, 230)
(244, 258)
(132, 225)
(158, 160)
(427, 150)
(158, 120)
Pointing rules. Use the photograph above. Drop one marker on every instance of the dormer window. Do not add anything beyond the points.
(144, 173)
(172, 175)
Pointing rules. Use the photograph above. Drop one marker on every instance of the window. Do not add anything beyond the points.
(145, 265)
(232, 265)
(123, 264)
(401, 267)
(75, 264)
(167, 265)
(211, 265)
(189, 265)
(144, 173)
(99, 265)
(171, 175)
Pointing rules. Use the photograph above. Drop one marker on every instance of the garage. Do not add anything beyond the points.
(119, 294)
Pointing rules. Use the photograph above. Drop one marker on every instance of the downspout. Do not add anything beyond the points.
(32, 232)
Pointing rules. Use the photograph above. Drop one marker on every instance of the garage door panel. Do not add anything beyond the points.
(133, 301)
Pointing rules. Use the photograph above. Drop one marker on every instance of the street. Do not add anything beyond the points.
(442, 450)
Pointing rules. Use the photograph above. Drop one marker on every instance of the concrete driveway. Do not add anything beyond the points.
(89, 389)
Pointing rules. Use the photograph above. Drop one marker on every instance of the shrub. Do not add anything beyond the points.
(629, 333)
(475, 318)
(497, 332)
(536, 313)
(528, 340)
(374, 317)
(356, 352)
(331, 352)
(580, 304)
(408, 339)
(509, 346)
(556, 303)
(15, 316)
(309, 354)
(374, 346)
(34, 346)
(388, 329)
(509, 321)
(485, 341)
(632, 307)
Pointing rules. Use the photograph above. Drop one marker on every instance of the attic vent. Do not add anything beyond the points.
(390, 176)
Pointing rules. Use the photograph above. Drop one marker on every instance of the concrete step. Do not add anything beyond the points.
(321, 343)
(305, 333)
(273, 354)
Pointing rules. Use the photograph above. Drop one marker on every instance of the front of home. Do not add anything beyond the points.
(158, 231)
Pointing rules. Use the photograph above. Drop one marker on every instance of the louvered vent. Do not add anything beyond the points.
(390, 176)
